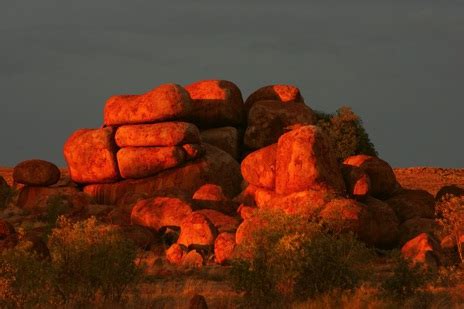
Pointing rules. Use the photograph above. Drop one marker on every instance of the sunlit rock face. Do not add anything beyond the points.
(165, 102)
(281, 93)
(215, 103)
(258, 168)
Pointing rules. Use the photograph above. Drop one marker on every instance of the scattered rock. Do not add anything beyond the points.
(381, 175)
(142, 162)
(209, 192)
(157, 135)
(258, 168)
(197, 230)
(158, 212)
(422, 249)
(91, 156)
(216, 103)
(165, 102)
(267, 121)
(306, 162)
(409, 204)
(174, 254)
(225, 138)
(36, 173)
(224, 247)
(415, 226)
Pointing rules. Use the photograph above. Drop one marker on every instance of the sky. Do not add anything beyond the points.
(398, 64)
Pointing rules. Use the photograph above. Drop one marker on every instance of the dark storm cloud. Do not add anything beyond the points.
(398, 65)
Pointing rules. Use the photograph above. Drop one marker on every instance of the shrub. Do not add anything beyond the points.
(406, 279)
(89, 258)
(347, 133)
(25, 280)
(289, 258)
(450, 216)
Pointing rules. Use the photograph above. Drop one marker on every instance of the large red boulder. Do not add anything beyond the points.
(165, 102)
(196, 230)
(381, 175)
(225, 138)
(423, 249)
(222, 222)
(412, 203)
(357, 181)
(380, 227)
(268, 120)
(159, 212)
(305, 161)
(281, 93)
(174, 254)
(36, 173)
(258, 168)
(224, 247)
(215, 103)
(157, 134)
(91, 156)
(344, 215)
(215, 167)
(141, 162)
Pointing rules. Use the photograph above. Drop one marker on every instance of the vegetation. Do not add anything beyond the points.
(450, 216)
(347, 134)
(289, 259)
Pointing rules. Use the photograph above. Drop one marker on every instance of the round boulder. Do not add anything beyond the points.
(196, 230)
(224, 247)
(36, 173)
(281, 93)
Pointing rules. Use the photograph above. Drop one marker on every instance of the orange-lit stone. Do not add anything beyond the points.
(91, 156)
(36, 173)
(193, 151)
(209, 192)
(282, 93)
(140, 162)
(258, 168)
(383, 180)
(305, 161)
(222, 222)
(224, 247)
(216, 103)
(157, 134)
(215, 167)
(357, 181)
(159, 212)
(165, 102)
(268, 120)
(174, 254)
(225, 138)
(197, 230)
(192, 259)
(246, 211)
(423, 249)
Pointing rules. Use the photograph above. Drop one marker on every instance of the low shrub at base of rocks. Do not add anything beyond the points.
(274, 265)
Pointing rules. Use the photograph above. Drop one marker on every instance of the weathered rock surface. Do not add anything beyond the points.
(415, 226)
(343, 215)
(36, 173)
(165, 102)
(224, 247)
(159, 212)
(225, 138)
(281, 93)
(216, 103)
(215, 167)
(192, 259)
(357, 181)
(197, 230)
(222, 222)
(91, 156)
(267, 121)
(174, 254)
(157, 134)
(142, 162)
(258, 168)
(209, 192)
(412, 203)
(381, 175)
(306, 162)
(422, 249)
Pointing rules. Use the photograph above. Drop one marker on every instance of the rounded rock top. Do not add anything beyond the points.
(36, 173)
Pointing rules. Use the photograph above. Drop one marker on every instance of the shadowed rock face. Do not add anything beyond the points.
(225, 138)
(410, 204)
(36, 173)
(267, 121)
(215, 103)
(282, 93)
(91, 156)
(305, 162)
(158, 134)
(165, 102)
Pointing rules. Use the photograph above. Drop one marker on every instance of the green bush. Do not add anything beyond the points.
(347, 133)
(289, 258)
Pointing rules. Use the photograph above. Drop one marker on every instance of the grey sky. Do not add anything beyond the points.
(400, 66)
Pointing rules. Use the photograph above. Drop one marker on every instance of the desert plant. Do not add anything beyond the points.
(450, 216)
(347, 133)
(89, 259)
(290, 258)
